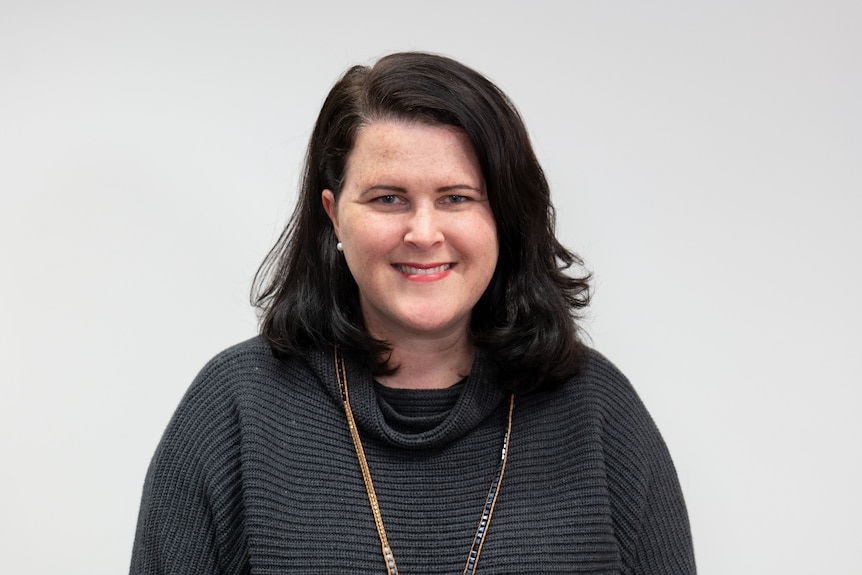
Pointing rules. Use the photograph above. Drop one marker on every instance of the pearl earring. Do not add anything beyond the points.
(339, 246)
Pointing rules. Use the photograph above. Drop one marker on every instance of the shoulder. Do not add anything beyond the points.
(235, 382)
(646, 500)
(600, 402)
(240, 370)
(219, 414)
(194, 478)
(634, 451)
(600, 385)
(231, 366)
(622, 414)
(601, 380)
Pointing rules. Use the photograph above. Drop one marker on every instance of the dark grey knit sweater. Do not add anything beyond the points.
(256, 473)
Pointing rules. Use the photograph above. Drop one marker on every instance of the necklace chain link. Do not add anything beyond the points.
(490, 501)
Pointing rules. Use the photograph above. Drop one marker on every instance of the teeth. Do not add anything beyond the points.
(423, 271)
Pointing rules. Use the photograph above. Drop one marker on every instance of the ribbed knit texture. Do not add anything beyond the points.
(256, 473)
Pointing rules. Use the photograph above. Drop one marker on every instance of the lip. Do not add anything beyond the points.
(424, 272)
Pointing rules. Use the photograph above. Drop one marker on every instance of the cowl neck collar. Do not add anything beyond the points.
(478, 399)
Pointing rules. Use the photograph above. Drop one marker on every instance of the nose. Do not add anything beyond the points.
(424, 227)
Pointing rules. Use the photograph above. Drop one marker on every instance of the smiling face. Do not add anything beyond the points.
(418, 232)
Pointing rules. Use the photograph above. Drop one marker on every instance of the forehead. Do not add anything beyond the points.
(390, 147)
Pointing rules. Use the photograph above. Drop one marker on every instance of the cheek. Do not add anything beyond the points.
(491, 248)
(366, 241)
(481, 233)
(369, 240)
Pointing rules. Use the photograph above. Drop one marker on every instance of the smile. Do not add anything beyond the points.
(411, 270)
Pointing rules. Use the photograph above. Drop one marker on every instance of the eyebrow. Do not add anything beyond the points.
(400, 190)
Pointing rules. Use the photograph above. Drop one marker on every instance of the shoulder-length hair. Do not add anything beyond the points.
(525, 322)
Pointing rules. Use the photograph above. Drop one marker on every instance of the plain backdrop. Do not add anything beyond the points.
(705, 160)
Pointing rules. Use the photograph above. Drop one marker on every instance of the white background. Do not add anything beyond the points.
(705, 159)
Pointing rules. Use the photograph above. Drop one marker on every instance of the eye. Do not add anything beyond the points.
(387, 200)
(456, 199)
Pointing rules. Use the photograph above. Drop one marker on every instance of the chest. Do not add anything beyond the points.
(307, 510)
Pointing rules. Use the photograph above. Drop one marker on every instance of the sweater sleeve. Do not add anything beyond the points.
(190, 519)
(650, 517)
(175, 532)
(664, 543)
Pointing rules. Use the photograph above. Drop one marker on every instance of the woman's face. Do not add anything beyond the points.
(418, 232)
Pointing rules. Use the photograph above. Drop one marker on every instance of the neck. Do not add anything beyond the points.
(424, 364)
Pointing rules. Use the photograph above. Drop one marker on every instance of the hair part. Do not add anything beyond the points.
(526, 321)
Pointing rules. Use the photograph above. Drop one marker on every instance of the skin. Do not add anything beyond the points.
(420, 239)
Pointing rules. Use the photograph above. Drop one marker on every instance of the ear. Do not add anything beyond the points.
(328, 199)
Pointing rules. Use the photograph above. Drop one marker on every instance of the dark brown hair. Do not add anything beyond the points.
(526, 319)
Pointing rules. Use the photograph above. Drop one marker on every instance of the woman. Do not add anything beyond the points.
(419, 400)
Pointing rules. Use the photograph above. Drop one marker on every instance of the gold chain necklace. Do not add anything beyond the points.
(490, 501)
